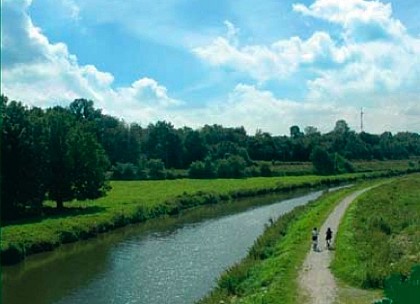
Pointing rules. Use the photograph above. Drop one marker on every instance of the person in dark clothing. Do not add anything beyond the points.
(315, 239)
(328, 237)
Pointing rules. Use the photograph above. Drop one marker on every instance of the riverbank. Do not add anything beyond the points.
(269, 273)
(131, 202)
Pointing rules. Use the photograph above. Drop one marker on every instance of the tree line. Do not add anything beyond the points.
(65, 153)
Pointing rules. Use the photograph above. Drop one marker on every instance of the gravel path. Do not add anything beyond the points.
(315, 277)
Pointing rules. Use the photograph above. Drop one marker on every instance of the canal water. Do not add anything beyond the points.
(171, 260)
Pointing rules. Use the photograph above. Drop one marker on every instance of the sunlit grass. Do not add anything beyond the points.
(274, 279)
(380, 234)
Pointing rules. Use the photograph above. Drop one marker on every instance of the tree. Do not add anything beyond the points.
(22, 158)
(322, 161)
(59, 181)
(194, 146)
(88, 164)
(295, 132)
(77, 162)
(163, 142)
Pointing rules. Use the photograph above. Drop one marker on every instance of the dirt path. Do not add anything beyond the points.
(315, 278)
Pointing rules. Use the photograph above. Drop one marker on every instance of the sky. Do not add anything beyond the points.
(265, 65)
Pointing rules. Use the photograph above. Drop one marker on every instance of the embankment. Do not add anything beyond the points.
(133, 202)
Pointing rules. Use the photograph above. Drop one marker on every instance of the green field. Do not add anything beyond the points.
(380, 234)
(136, 201)
(303, 168)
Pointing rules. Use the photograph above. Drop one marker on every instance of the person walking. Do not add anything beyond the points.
(328, 237)
(315, 239)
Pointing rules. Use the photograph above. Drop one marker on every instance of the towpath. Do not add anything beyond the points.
(315, 278)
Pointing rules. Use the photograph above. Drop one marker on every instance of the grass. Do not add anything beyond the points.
(380, 234)
(303, 168)
(269, 273)
(136, 201)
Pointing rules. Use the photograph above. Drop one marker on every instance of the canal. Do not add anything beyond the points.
(169, 260)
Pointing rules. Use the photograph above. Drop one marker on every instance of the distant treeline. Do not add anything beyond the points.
(65, 153)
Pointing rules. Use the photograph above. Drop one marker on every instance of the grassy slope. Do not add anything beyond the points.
(274, 279)
(380, 234)
(136, 201)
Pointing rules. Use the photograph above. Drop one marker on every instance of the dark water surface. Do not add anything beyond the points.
(171, 260)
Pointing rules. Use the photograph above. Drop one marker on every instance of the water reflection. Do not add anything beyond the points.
(170, 260)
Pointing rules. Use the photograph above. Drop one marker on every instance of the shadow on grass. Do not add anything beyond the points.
(53, 213)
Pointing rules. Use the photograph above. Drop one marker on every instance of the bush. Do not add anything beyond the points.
(156, 169)
(124, 171)
(232, 167)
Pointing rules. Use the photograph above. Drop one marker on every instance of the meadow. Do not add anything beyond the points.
(380, 234)
(136, 201)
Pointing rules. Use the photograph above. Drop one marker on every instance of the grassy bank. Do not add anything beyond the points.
(137, 201)
(269, 273)
(380, 234)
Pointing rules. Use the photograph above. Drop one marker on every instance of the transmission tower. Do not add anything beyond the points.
(361, 119)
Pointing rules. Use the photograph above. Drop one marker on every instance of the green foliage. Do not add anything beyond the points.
(325, 163)
(125, 171)
(266, 170)
(401, 289)
(156, 169)
(88, 163)
(380, 234)
(322, 161)
(23, 162)
(201, 169)
(232, 167)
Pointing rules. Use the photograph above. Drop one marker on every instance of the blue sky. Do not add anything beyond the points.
(263, 65)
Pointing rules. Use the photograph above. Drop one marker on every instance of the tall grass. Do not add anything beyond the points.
(380, 234)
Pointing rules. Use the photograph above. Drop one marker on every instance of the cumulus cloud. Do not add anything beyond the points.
(276, 61)
(256, 109)
(362, 20)
(386, 58)
(42, 73)
(373, 57)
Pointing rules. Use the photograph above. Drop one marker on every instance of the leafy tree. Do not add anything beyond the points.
(77, 162)
(163, 142)
(322, 161)
(194, 146)
(88, 163)
(295, 132)
(261, 146)
(22, 159)
(59, 179)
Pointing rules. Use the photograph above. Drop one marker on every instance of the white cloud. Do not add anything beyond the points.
(373, 58)
(39, 72)
(42, 73)
(362, 20)
(260, 109)
(276, 61)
